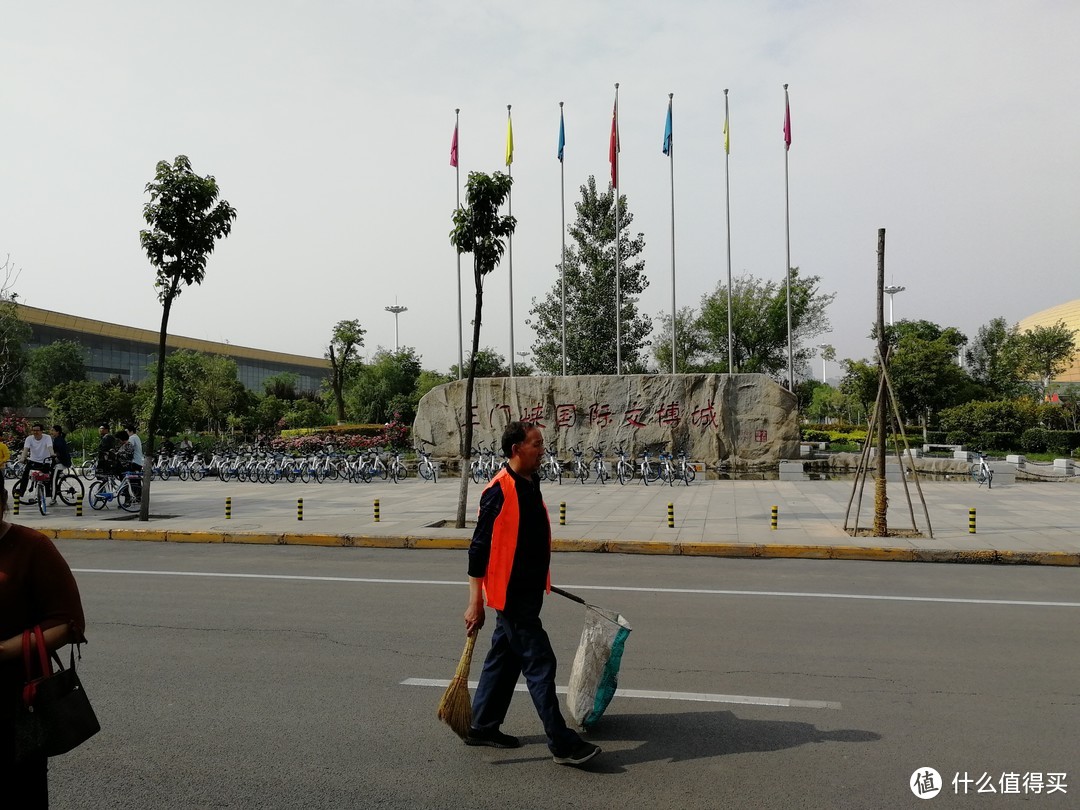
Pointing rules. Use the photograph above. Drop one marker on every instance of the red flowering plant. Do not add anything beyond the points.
(394, 434)
(14, 430)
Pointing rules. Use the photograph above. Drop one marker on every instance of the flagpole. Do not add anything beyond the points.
(457, 191)
(727, 194)
(562, 206)
(510, 238)
(618, 288)
(787, 235)
(671, 167)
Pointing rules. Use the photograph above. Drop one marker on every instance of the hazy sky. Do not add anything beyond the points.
(328, 124)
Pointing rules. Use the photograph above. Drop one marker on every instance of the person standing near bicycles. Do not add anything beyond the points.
(137, 457)
(38, 454)
(125, 458)
(106, 451)
(60, 447)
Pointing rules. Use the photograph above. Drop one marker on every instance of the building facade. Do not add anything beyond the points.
(113, 350)
(1068, 312)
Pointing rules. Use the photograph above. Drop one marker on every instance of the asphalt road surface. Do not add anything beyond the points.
(276, 677)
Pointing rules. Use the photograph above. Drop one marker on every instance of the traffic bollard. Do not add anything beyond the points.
(78, 506)
(377, 510)
(971, 521)
(299, 508)
(562, 513)
(671, 516)
(228, 508)
(775, 517)
(15, 504)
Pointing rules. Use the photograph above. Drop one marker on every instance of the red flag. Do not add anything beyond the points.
(787, 123)
(613, 146)
(453, 149)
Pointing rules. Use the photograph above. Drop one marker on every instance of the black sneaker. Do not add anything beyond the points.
(491, 737)
(580, 753)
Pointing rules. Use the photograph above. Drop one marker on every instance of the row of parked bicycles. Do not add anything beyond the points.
(259, 466)
(668, 468)
(46, 488)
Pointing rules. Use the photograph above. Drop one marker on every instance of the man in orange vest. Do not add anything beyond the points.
(508, 564)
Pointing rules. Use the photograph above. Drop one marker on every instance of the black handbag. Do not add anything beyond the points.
(54, 714)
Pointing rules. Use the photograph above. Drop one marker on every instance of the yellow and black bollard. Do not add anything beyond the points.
(376, 510)
(78, 506)
(15, 504)
(562, 513)
(228, 508)
(299, 508)
(671, 516)
(775, 517)
(971, 520)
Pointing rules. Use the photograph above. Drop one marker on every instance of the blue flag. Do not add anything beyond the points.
(562, 135)
(667, 131)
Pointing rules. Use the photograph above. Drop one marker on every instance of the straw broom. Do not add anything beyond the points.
(455, 708)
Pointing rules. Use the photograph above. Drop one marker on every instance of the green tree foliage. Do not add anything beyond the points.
(186, 220)
(489, 363)
(994, 360)
(344, 355)
(759, 323)
(58, 362)
(971, 422)
(1046, 351)
(691, 344)
(199, 392)
(479, 229)
(860, 383)
(282, 386)
(590, 294)
(384, 386)
(14, 335)
(86, 404)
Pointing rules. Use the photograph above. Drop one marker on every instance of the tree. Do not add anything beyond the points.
(691, 343)
(759, 323)
(186, 220)
(480, 230)
(994, 360)
(14, 334)
(343, 354)
(489, 363)
(282, 386)
(860, 383)
(1047, 351)
(50, 365)
(384, 386)
(590, 294)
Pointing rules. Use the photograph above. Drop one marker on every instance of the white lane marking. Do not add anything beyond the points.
(612, 588)
(697, 697)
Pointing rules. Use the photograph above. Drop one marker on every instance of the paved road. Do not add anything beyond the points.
(272, 677)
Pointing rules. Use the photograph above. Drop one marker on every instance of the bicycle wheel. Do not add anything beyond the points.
(582, 473)
(427, 472)
(654, 471)
(688, 474)
(403, 471)
(125, 500)
(977, 474)
(98, 499)
(477, 473)
(197, 472)
(624, 472)
(88, 470)
(42, 500)
(69, 488)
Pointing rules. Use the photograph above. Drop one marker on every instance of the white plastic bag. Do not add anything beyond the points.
(594, 676)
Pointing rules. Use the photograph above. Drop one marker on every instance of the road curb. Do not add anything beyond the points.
(592, 545)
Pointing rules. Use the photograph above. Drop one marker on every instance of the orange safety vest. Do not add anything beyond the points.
(504, 537)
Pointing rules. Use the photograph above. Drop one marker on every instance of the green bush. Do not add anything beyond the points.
(936, 437)
(965, 423)
(814, 435)
(1034, 440)
(1062, 441)
(996, 440)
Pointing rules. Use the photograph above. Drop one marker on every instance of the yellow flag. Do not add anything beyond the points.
(727, 140)
(509, 140)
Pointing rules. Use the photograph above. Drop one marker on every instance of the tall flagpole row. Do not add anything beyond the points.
(787, 236)
(510, 238)
(669, 147)
(456, 155)
(618, 287)
(727, 197)
(562, 206)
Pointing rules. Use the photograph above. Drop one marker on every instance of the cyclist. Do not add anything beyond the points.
(37, 452)
(136, 444)
(60, 447)
(106, 451)
(125, 456)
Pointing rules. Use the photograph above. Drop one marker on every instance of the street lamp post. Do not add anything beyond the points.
(890, 291)
(822, 347)
(397, 310)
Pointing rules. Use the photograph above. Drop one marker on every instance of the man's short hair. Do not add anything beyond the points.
(130, 427)
(37, 426)
(103, 426)
(514, 433)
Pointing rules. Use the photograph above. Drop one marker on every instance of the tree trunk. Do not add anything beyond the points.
(466, 450)
(337, 383)
(159, 395)
(881, 497)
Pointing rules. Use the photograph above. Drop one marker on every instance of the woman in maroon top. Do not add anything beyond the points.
(36, 588)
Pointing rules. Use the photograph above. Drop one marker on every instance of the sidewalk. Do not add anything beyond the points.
(1035, 523)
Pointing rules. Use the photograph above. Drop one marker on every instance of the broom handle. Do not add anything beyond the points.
(568, 595)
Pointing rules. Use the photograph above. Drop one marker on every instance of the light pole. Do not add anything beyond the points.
(822, 347)
(890, 291)
(397, 310)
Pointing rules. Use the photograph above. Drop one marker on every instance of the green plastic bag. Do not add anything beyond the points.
(594, 676)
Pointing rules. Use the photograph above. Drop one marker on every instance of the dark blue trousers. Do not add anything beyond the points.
(520, 647)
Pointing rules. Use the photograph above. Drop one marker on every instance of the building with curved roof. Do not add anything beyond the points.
(113, 350)
(1068, 312)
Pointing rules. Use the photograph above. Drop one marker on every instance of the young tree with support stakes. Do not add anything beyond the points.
(481, 231)
(186, 220)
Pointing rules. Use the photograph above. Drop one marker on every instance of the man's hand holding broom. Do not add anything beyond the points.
(474, 613)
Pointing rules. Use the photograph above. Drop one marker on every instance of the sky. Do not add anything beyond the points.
(950, 123)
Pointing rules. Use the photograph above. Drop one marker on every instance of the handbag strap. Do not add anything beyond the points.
(35, 638)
